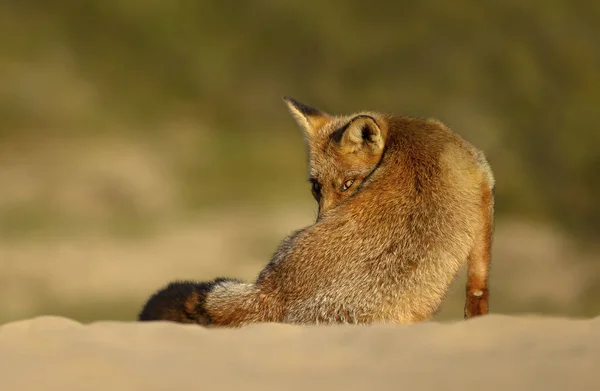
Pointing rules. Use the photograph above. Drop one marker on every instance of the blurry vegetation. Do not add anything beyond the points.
(119, 117)
(519, 79)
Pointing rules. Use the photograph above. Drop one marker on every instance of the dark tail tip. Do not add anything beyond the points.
(180, 301)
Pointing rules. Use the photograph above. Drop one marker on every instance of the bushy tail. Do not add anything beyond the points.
(180, 301)
(479, 261)
(222, 302)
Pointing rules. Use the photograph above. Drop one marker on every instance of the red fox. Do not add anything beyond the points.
(403, 203)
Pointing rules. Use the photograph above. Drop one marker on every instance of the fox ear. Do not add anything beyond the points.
(362, 133)
(309, 118)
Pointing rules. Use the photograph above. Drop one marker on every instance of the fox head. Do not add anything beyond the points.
(342, 151)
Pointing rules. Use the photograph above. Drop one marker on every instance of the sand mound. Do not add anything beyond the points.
(491, 353)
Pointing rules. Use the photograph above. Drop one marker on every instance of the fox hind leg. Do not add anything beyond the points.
(479, 260)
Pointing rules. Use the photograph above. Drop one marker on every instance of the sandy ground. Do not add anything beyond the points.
(491, 353)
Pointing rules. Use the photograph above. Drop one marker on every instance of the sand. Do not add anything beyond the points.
(490, 353)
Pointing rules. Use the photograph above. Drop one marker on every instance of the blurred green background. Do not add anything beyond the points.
(142, 141)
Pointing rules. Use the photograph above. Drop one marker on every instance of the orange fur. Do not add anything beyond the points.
(403, 204)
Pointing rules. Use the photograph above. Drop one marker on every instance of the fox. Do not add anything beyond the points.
(403, 204)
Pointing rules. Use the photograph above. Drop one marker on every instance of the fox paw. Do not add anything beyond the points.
(476, 303)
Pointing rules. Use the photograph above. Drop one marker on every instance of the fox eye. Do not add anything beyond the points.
(347, 184)
(316, 190)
